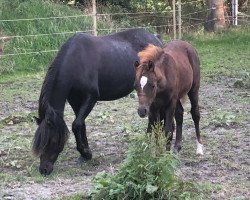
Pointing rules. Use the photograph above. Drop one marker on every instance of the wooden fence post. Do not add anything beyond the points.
(94, 17)
(174, 19)
(179, 19)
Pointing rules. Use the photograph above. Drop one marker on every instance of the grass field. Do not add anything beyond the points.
(225, 105)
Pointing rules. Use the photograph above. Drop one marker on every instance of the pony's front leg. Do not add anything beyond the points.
(79, 127)
(169, 124)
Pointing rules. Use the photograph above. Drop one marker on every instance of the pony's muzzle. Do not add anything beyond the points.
(46, 169)
(142, 112)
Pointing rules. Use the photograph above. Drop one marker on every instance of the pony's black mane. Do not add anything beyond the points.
(47, 114)
(48, 82)
(46, 91)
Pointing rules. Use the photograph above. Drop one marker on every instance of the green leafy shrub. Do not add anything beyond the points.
(148, 172)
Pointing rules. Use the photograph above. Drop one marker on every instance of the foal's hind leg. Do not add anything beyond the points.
(179, 121)
(193, 96)
(82, 109)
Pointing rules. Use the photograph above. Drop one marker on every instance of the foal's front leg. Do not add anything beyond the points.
(179, 121)
(153, 118)
(169, 121)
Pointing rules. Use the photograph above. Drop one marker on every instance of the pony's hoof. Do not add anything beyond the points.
(177, 149)
(168, 147)
(81, 160)
(86, 154)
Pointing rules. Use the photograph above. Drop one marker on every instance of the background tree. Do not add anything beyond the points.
(216, 20)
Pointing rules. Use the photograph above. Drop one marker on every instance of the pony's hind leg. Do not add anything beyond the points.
(193, 96)
(179, 121)
(82, 109)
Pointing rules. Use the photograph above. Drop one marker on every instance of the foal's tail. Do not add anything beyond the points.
(193, 56)
(195, 63)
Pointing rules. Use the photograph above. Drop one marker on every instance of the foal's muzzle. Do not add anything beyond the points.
(142, 112)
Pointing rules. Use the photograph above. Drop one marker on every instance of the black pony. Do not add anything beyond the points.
(87, 69)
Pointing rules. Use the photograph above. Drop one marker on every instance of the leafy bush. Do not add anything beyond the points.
(148, 172)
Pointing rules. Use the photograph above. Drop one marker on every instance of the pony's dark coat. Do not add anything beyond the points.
(163, 77)
(87, 69)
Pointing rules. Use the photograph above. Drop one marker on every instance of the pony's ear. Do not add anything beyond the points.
(38, 120)
(136, 64)
(151, 66)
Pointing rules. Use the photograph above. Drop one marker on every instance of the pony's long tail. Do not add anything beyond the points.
(52, 130)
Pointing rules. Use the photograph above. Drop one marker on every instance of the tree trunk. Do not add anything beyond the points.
(216, 17)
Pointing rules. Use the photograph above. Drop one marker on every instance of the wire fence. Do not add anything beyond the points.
(160, 21)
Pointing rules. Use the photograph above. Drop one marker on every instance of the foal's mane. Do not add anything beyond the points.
(151, 52)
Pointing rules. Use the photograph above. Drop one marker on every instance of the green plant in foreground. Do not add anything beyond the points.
(148, 172)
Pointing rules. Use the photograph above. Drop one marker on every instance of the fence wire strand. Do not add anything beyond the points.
(5, 38)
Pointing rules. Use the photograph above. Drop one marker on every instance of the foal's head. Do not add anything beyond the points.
(148, 77)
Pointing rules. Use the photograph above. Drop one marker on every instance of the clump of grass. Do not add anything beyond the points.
(224, 54)
(148, 172)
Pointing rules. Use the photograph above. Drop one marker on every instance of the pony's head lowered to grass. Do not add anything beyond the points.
(49, 139)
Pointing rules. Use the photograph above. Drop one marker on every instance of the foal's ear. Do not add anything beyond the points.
(151, 66)
(168, 60)
(136, 64)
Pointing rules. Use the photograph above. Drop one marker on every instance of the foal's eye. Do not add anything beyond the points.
(152, 86)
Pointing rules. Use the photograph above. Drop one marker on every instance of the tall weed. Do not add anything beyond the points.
(148, 172)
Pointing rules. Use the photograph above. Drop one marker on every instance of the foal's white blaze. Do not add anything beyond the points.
(143, 81)
(199, 149)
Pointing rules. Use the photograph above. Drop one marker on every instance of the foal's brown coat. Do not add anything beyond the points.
(168, 75)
